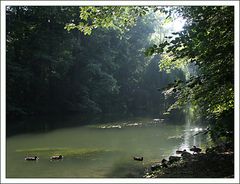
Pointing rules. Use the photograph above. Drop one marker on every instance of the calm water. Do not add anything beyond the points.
(99, 150)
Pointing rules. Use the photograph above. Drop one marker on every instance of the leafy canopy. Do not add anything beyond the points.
(207, 42)
(116, 17)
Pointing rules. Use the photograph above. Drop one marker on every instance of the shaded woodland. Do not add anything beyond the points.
(93, 60)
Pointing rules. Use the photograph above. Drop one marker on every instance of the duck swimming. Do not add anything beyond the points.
(56, 157)
(180, 152)
(32, 158)
(195, 149)
(138, 158)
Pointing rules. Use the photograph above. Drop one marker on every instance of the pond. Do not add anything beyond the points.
(99, 150)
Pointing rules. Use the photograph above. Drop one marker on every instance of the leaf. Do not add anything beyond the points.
(149, 51)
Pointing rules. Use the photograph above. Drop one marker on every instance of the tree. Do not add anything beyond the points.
(207, 43)
(205, 46)
(110, 17)
(51, 70)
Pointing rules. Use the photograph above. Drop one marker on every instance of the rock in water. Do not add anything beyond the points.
(156, 166)
(186, 155)
(164, 163)
(174, 159)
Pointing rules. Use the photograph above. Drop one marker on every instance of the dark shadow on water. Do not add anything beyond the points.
(41, 124)
(127, 169)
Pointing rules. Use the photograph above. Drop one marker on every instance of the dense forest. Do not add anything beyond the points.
(91, 61)
(51, 70)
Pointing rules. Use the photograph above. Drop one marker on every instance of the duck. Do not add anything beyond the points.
(32, 158)
(195, 149)
(138, 158)
(180, 152)
(56, 157)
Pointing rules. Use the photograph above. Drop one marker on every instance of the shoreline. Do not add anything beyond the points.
(216, 162)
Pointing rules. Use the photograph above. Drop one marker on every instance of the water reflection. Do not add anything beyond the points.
(192, 137)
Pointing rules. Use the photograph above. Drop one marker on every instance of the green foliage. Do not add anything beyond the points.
(207, 43)
(116, 17)
(51, 70)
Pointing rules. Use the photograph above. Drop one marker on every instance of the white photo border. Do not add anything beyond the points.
(118, 3)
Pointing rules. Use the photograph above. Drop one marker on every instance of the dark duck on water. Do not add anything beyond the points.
(180, 152)
(56, 157)
(31, 158)
(195, 149)
(138, 158)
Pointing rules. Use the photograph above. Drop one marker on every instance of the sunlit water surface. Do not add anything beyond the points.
(99, 150)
